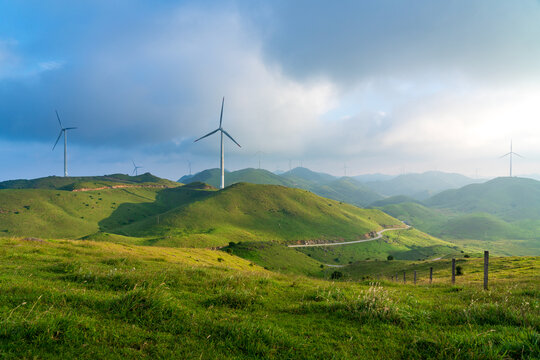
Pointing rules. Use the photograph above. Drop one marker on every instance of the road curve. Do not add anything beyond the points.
(379, 235)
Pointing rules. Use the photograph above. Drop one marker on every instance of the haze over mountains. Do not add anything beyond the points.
(358, 190)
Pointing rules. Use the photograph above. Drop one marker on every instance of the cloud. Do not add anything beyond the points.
(162, 81)
(358, 40)
(379, 85)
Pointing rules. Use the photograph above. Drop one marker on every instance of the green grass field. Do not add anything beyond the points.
(88, 300)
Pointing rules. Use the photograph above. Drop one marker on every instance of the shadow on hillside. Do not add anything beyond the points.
(166, 199)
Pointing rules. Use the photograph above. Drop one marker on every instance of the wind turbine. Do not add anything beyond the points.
(63, 130)
(222, 131)
(259, 153)
(135, 168)
(510, 153)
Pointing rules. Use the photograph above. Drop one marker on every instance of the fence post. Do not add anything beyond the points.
(486, 263)
(414, 277)
(430, 275)
(404, 280)
(392, 277)
(453, 271)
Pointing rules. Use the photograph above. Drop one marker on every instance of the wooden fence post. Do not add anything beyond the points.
(404, 280)
(453, 271)
(486, 263)
(414, 277)
(430, 275)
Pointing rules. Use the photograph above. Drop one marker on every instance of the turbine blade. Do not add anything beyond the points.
(134, 164)
(71, 128)
(57, 139)
(58, 117)
(215, 131)
(221, 116)
(133, 172)
(230, 137)
(518, 155)
(500, 157)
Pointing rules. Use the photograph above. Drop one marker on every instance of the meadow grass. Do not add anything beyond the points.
(84, 299)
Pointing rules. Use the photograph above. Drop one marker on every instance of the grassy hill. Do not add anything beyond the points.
(420, 186)
(508, 198)
(254, 176)
(81, 182)
(93, 300)
(502, 211)
(248, 212)
(193, 215)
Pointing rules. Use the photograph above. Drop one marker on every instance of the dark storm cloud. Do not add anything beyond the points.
(351, 41)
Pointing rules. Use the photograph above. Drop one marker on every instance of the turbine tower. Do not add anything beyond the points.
(63, 130)
(510, 153)
(135, 168)
(222, 131)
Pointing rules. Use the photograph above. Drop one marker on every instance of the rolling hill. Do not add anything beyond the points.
(503, 211)
(254, 176)
(192, 215)
(510, 199)
(80, 182)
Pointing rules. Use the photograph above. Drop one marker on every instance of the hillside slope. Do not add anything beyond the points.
(248, 212)
(508, 198)
(80, 182)
(191, 215)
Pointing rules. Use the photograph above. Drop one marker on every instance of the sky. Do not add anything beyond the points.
(374, 86)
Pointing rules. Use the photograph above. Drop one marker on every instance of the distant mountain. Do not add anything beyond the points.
(393, 200)
(301, 174)
(341, 189)
(373, 177)
(510, 199)
(420, 186)
(348, 190)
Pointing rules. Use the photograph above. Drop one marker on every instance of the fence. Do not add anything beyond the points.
(453, 278)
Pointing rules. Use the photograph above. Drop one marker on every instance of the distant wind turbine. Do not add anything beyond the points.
(510, 153)
(64, 131)
(135, 168)
(189, 165)
(259, 153)
(222, 131)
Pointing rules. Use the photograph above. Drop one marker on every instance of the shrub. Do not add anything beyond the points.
(336, 275)
(389, 257)
(466, 256)
(459, 270)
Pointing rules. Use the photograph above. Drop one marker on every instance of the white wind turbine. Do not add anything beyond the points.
(510, 153)
(63, 130)
(135, 168)
(220, 129)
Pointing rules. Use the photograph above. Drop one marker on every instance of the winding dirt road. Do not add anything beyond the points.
(379, 235)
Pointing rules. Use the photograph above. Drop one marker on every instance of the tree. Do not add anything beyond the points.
(336, 275)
